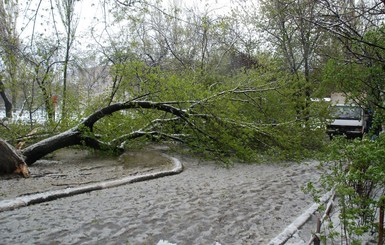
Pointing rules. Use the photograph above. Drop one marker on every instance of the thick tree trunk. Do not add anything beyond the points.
(11, 161)
(36, 151)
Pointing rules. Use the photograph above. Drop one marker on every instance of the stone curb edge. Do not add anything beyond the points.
(299, 221)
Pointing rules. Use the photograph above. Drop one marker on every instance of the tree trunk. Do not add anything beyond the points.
(11, 161)
(36, 151)
(7, 103)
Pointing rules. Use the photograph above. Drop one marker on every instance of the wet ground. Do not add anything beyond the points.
(205, 204)
(77, 167)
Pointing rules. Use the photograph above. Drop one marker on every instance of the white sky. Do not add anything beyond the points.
(88, 12)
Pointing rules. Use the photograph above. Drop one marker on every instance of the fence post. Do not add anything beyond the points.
(316, 238)
(381, 221)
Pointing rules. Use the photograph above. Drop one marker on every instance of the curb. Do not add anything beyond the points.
(286, 234)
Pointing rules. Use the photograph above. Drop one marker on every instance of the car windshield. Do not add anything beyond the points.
(346, 112)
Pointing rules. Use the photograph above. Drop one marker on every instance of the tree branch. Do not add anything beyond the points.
(91, 120)
(78, 135)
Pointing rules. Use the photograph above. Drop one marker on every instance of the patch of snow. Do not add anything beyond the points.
(39, 116)
(163, 242)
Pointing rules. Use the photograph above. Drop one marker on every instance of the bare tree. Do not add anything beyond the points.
(349, 21)
(290, 28)
(70, 22)
(43, 60)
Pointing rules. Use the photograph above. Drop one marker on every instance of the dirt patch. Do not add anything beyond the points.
(75, 167)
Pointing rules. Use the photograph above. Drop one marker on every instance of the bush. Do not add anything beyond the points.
(356, 170)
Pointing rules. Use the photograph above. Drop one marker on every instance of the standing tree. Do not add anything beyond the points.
(70, 22)
(42, 61)
(7, 103)
(9, 47)
(359, 69)
(295, 39)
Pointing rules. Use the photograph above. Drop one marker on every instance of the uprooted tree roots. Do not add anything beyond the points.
(11, 161)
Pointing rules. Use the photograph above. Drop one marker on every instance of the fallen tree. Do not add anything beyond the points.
(208, 125)
(82, 134)
(11, 161)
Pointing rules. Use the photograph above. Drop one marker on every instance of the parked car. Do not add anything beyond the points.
(347, 120)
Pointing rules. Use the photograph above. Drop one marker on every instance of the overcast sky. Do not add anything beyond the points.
(88, 12)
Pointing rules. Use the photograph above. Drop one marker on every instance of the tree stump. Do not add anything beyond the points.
(11, 162)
